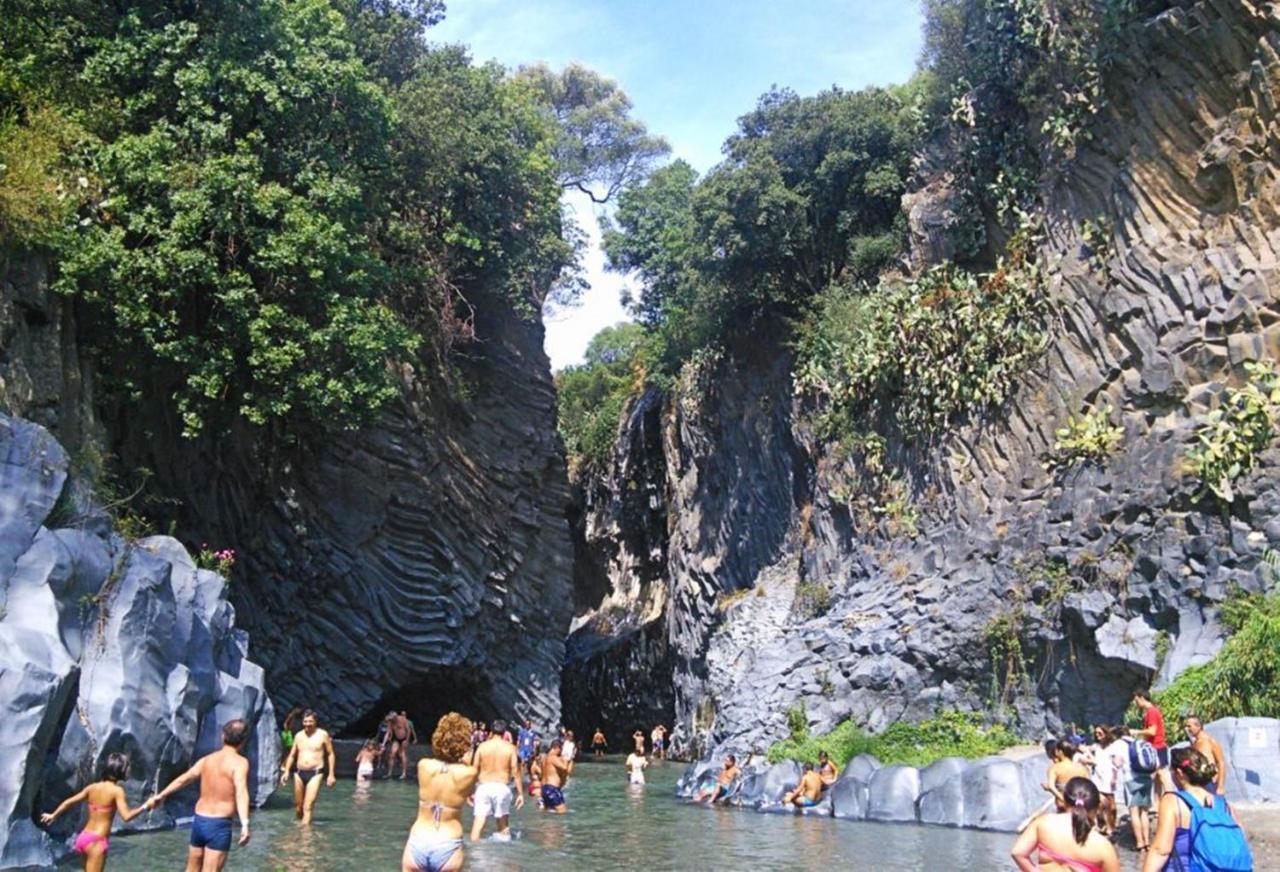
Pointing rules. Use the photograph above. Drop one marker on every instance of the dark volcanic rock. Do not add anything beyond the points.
(106, 646)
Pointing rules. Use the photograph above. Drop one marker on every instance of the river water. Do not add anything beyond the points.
(609, 826)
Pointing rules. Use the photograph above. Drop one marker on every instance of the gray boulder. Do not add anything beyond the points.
(862, 767)
(106, 646)
(777, 780)
(941, 795)
(994, 794)
(849, 798)
(892, 793)
(1252, 748)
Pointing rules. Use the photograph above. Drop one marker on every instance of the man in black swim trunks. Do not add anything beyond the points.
(555, 772)
(312, 748)
(224, 792)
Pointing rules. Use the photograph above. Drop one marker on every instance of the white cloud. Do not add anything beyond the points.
(570, 329)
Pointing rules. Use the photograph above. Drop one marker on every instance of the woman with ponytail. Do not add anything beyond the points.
(1220, 838)
(1067, 841)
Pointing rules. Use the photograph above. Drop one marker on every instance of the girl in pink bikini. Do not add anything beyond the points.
(1067, 841)
(105, 799)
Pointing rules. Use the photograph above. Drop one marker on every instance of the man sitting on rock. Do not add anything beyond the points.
(808, 792)
(723, 782)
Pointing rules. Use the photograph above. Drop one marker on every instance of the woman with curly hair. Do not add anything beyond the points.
(444, 785)
(1190, 810)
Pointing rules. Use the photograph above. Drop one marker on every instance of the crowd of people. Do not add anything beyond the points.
(489, 768)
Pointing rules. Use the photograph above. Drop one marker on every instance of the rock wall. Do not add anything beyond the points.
(1116, 568)
(105, 646)
(422, 563)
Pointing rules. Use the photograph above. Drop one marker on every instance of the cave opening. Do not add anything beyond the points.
(425, 700)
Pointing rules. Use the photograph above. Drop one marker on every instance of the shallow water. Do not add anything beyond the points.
(609, 826)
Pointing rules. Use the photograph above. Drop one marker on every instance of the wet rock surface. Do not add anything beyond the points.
(106, 646)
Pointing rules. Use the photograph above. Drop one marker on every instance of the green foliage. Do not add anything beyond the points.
(1243, 679)
(1099, 237)
(1003, 635)
(922, 352)
(593, 394)
(950, 734)
(599, 148)
(40, 191)
(812, 600)
(797, 722)
(1232, 436)
(1087, 437)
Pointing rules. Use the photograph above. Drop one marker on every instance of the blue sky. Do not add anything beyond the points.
(691, 68)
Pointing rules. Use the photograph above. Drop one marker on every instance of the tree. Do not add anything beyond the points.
(599, 148)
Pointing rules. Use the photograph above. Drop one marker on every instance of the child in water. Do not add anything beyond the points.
(367, 761)
(105, 798)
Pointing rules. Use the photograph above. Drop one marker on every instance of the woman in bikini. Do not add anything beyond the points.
(1067, 841)
(1195, 775)
(105, 798)
(444, 786)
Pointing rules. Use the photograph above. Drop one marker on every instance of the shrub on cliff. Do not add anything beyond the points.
(950, 734)
(593, 394)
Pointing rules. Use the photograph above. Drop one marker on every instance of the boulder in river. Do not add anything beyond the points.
(849, 797)
(1252, 748)
(941, 795)
(892, 793)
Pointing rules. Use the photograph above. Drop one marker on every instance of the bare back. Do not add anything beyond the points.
(496, 761)
(811, 786)
(218, 775)
(104, 798)
(1053, 831)
(1064, 770)
(443, 789)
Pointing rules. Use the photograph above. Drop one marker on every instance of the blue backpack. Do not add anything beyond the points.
(1217, 842)
(1143, 757)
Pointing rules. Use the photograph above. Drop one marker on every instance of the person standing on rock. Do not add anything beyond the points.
(224, 793)
(314, 756)
(555, 774)
(498, 765)
(1209, 747)
(659, 739)
(105, 798)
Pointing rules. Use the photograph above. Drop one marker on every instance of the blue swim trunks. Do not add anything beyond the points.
(805, 802)
(211, 832)
(552, 797)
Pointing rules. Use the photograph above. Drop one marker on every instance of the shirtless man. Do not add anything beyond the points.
(1212, 751)
(555, 773)
(638, 738)
(599, 743)
(499, 765)
(399, 733)
(808, 792)
(312, 748)
(224, 792)
(723, 780)
(827, 770)
(659, 739)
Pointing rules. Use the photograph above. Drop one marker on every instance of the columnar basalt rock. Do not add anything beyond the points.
(1108, 573)
(106, 646)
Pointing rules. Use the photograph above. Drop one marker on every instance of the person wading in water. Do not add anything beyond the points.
(312, 749)
(105, 798)
(555, 774)
(224, 792)
(498, 765)
(444, 785)
(1067, 841)
(399, 733)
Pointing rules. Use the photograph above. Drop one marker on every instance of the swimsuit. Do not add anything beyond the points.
(552, 796)
(431, 856)
(1079, 865)
(213, 833)
(307, 774)
(493, 799)
(805, 802)
(365, 770)
(86, 839)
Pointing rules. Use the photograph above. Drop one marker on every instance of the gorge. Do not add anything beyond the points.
(759, 531)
